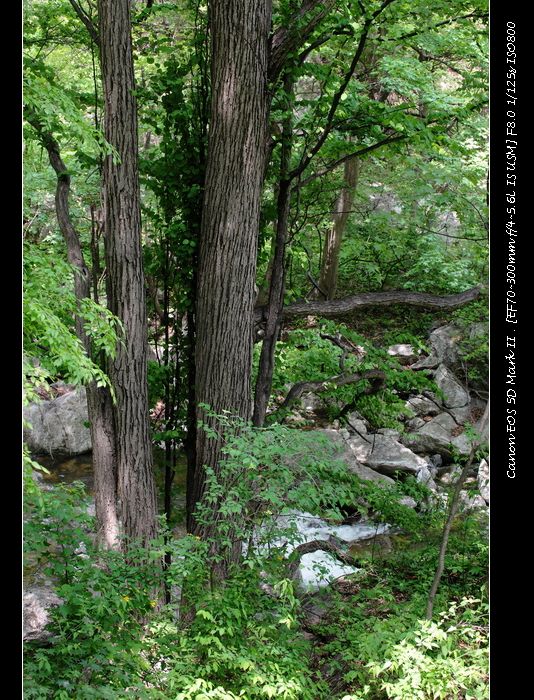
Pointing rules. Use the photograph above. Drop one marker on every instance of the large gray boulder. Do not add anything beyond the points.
(423, 406)
(389, 456)
(37, 602)
(58, 426)
(455, 394)
(443, 348)
(436, 437)
(385, 454)
(347, 455)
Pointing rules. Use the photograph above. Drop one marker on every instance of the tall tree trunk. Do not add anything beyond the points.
(126, 285)
(278, 272)
(99, 401)
(230, 221)
(100, 410)
(334, 237)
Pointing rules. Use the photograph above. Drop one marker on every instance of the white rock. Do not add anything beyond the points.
(318, 569)
(309, 527)
(404, 353)
(37, 601)
(483, 480)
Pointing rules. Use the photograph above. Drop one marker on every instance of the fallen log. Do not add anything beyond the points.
(357, 302)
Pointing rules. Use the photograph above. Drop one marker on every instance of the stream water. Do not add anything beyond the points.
(317, 569)
(66, 470)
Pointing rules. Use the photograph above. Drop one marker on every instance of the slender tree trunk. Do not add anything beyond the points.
(126, 285)
(230, 221)
(453, 509)
(334, 237)
(191, 419)
(277, 281)
(98, 398)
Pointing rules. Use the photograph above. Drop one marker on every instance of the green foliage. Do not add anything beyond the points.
(473, 348)
(304, 356)
(113, 637)
(267, 471)
(376, 640)
(51, 348)
(97, 631)
(445, 659)
(422, 78)
(242, 643)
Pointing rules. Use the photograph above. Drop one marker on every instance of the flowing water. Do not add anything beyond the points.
(317, 569)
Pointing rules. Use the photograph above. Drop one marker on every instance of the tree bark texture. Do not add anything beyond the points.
(100, 410)
(98, 398)
(334, 237)
(230, 217)
(126, 285)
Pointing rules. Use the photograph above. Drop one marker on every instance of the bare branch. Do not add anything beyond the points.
(361, 152)
(288, 39)
(454, 238)
(451, 20)
(87, 21)
(305, 160)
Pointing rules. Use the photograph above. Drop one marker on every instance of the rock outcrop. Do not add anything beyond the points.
(58, 426)
(37, 602)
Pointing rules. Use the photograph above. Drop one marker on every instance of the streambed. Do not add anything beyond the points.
(316, 570)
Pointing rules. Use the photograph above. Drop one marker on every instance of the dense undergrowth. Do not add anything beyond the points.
(114, 637)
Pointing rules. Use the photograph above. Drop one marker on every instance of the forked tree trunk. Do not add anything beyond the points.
(98, 398)
(230, 221)
(126, 285)
(334, 237)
